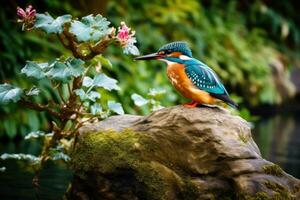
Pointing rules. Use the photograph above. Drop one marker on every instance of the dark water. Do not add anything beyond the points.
(16, 181)
(278, 138)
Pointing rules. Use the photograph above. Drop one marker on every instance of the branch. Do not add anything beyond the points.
(75, 131)
(62, 40)
(69, 42)
(39, 107)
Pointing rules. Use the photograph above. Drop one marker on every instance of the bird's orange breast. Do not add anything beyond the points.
(177, 76)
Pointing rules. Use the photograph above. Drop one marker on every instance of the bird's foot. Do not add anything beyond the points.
(192, 104)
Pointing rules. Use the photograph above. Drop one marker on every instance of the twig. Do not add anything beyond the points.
(86, 71)
(39, 107)
(45, 153)
(62, 40)
(75, 131)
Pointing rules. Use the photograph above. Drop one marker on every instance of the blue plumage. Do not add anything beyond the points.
(204, 77)
(177, 47)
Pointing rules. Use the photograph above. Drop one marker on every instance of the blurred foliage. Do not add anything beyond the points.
(218, 34)
(238, 39)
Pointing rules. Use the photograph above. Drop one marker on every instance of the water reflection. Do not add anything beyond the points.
(278, 138)
(15, 182)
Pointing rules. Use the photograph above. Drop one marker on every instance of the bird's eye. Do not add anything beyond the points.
(168, 51)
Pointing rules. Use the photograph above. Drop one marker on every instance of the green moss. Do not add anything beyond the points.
(153, 180)
(273, 170)
(281, 193)
(261, 196)
(244, 138)
(106, 151)
(189, 190)
(257, 196)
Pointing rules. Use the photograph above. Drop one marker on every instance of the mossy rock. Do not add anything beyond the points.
(175, 153)
(108, 152)
(273, 170)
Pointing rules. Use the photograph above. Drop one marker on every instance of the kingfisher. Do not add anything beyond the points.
(191, 77)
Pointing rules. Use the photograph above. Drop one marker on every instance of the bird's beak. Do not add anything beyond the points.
(151, 56)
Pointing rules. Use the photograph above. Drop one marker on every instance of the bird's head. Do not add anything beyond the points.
(172, 52)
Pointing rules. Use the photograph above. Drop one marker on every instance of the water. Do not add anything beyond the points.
(278, 138)
(16, 181)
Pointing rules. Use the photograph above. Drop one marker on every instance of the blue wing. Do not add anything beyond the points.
(204, 78)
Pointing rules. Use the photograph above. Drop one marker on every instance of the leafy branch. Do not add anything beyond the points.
(86, 39)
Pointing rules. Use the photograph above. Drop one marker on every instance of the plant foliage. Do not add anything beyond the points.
(72, 80)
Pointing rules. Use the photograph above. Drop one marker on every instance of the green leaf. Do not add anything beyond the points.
(101, 80)
(31, 158)
(2, 169)
(106, 82)
(90, 28)
(76, 66)
(42, 20)
(81, 31)
(86, 104)
(35, 70)
(66, 71)
(35, 135)
(50, 25)
(33, 91)
(139, 100)
(92, 95)
(60, 72)
(156, 91)
(105, 62)
(9, 93)
(96, 109)
(130, 48)
(115, 107)
(87, 81)
(98, 61)
(60, 156)
(10, 127)
(81, 94)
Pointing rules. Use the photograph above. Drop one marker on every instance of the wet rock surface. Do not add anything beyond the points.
(175, 153)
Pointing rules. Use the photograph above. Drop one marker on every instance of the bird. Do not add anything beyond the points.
(191, 77)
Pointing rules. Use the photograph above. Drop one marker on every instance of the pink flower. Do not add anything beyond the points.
(125, 35)
(27, 16)
(127, 40)
(21, 13)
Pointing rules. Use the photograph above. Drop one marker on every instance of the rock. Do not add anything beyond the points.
(175, 153)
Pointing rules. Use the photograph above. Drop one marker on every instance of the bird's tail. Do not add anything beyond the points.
(233, 104)
(227, 100)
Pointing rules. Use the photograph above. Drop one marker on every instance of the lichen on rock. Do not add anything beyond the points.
(175, 153)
